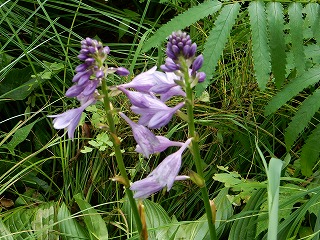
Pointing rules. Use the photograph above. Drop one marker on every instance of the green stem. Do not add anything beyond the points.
(196, 149)
(119, 158)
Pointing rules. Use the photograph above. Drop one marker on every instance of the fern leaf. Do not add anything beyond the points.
(216, 41)
(313, 17)
(296, 33)
(277, 42)
(296, 85)
(260, 48)
(181, 21)
(301, 119)
(310, 152)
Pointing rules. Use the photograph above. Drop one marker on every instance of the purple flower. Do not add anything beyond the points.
(137, 98)
(144, 81)
(121, 71)
(197, 64)
(143, 136)
(162, 176)
(156, 82)
(180, 44)
(170, 66)
(201, 76)
(70, 119)
(164, 143)
(157, 114)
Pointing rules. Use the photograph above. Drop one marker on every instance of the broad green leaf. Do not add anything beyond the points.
(69, 228)
(310, 77)
(277, 42)
(274, 173)
(193, 231)
(95, 224)
(302, 117)
(43, 222)
(216, 42)
(181, 21)
(296, 33)
(224, 207)
(288, 227)
(310, 152)
(287, 191)
(19, 136)
(19, 222)
(260, 48)
(18, 84)
(244, 226)
(159, 224)
(5, 233)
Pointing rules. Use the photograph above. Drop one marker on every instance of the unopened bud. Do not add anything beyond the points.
(198, 180)
(121, 71)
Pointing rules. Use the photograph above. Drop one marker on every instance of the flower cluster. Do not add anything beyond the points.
(181, 51)
(88, 77)
(148, 93)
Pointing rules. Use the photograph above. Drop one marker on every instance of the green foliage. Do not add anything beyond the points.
(181, 21)
(277, 41)
(68, 225)
(260, 48)
(216, 42)
(96, 226)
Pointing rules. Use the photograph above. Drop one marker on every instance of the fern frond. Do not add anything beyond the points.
(260, 48)
(181, 21)
(296, 33)
(277, 42)
(313, 17)
(296, 85)
(216, 41)
(301, 119)
(310, 152)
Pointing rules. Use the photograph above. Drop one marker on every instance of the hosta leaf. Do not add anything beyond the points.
(94, 222)
(244, 226)
(296, 85)
(274, 173)
(216, 41)
(193, 231)
(260, 48)
(19, 136)
(43, 222)
(296, 33)
(5, 233)
(310, 152)
(19, 222)
(277, 42)
(302, 117)
(181, 21)
(69, 228)
(159, 224)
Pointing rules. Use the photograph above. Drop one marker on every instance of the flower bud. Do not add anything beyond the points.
(121, 71)
(197, 63)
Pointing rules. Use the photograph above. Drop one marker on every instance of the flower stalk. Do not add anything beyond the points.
(119, 158)
(195, 146)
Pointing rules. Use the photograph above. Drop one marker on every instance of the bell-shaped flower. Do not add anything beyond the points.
(143, 136)
(70, 119)
(162, 176)
(137, 98)
(164, 143)
(156, 82)
(157, 114)
(144, 81)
